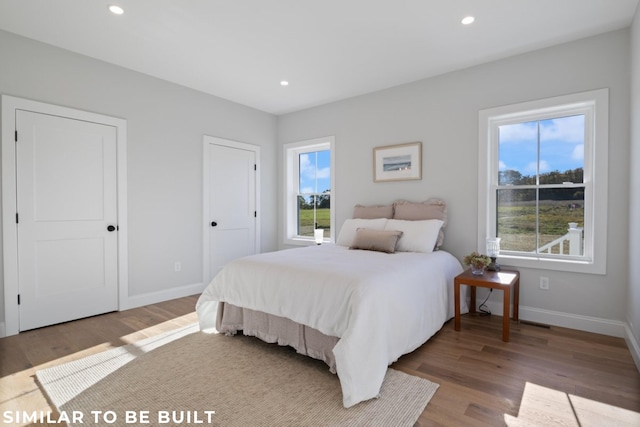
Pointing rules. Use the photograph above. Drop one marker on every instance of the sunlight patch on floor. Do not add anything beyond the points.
(20, 391)
(542, 406)
(167, 326)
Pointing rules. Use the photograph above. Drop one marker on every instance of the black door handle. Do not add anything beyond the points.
(213, 223)
(111, 228)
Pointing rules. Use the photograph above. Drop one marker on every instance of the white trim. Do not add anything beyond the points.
(595, 325)
(163, 295)
(290, 150)
(633, 345)
(595, 175)
(9, 230)
(207, 141)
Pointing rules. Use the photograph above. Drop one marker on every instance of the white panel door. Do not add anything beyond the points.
(232, 205)
(67, 219)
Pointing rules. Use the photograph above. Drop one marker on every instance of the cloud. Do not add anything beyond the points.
(578, 153)
(502, 166)
(307, 190)
(565, 129)
(532, 167)
(544, 166)
(323, 173)
(308, 169)
(305, 164)
(520, 132)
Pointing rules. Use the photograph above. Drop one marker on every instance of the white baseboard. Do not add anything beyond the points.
(632, 343)
(566, 320)
(160, 296)
(146, 299)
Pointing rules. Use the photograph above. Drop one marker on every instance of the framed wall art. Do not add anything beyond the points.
(397, 162)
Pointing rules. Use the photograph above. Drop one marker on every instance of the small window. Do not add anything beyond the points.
(309, 190)
(543, 183)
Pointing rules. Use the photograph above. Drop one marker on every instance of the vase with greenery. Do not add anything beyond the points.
(477, 261)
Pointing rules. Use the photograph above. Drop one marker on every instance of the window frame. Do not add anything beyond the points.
(595, 105)
(291, 182)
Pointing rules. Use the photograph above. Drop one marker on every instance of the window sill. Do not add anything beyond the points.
(301, 241)
(574, 266)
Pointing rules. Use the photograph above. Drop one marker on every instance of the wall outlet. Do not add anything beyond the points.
(177, 266)
(544, 283)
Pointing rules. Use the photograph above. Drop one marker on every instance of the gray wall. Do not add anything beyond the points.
(633, 301)
(166, 124)
(442, 112)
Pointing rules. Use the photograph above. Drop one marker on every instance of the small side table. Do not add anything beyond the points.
(505, 280)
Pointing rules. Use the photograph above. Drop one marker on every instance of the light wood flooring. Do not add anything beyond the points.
(543, 376)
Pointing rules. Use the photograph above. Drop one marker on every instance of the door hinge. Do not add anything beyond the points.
(18, 299)
(16, 136)
(255, 214)
(16, 217)
(255, 167)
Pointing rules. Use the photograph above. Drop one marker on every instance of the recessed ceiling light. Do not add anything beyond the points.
(284, 83)
(116, 10)
(468, 20)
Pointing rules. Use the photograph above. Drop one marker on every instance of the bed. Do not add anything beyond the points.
(380, 292)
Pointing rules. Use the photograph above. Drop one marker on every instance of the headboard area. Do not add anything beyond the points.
(432, 208)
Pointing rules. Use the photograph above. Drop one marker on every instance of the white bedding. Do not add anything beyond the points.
(380, 305)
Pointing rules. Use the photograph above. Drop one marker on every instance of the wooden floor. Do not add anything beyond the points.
(543, 376)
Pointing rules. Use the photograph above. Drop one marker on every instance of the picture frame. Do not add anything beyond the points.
(401, 162)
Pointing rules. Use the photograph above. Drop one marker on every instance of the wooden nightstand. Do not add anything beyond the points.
(505, 280)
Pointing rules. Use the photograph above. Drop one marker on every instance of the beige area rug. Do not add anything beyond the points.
(187, 377)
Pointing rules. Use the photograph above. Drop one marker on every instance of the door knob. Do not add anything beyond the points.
(213, 223)
(111, 228)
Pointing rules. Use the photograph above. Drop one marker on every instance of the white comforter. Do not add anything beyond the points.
(380, 305)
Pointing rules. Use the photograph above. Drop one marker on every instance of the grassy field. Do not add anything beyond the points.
(307, 225)
(516, 223)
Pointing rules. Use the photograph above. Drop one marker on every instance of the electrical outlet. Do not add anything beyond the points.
(177, 266)
(544, 283)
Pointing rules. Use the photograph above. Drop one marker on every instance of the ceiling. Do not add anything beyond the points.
(328, 50)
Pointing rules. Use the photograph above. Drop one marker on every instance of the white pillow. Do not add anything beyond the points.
(348, 230)
(417, 236)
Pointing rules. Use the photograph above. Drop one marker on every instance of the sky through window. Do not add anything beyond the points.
(561, 145)
(315, 172)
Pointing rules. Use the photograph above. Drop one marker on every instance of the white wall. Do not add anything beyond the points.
(442, 112)
(166, 124)
(633, 300)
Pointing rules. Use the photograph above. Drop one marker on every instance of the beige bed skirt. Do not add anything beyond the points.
(275, 329)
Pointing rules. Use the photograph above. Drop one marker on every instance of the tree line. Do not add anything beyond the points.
(513, 177)
(320, 201)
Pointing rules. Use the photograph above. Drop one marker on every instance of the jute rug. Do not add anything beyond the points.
(188, 377)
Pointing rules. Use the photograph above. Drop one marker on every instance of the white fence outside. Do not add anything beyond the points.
(573, 236)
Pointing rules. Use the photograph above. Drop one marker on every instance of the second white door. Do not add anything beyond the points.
(232, 194)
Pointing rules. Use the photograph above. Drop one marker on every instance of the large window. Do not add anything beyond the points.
(543, 182)
(309, 190)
